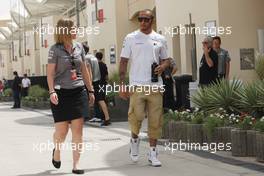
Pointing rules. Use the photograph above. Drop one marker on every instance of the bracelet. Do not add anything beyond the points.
(52, 92)
(90, 91)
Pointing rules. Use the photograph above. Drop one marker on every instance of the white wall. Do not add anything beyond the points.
(52, 20)
(5, 72)
(107, 36)
(245, 17)
(171, 13)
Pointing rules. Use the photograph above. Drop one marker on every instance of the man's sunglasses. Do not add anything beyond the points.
(145, 19)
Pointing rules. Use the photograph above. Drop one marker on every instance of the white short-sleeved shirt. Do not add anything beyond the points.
(143, 50)
(26, 82)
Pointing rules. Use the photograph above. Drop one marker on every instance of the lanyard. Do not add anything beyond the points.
(73, 66)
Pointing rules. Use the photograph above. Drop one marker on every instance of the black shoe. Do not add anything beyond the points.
(56, 164)
(78, 171)
(106, 123)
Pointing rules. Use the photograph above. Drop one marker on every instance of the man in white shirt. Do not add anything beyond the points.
(26, 83)
(147, 52)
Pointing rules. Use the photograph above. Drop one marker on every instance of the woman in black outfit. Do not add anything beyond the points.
(67, 76)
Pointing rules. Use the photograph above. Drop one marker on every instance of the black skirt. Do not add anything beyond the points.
(71, 105)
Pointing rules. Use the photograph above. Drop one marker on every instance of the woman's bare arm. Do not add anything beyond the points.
(86, 76)
(50, 76)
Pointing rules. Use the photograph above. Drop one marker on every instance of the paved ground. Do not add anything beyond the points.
(22, 130)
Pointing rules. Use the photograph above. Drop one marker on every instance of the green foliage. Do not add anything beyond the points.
(110, 98)
(250, 99)
(212, 122)
(30, 99)
(115, 78)
(172, 115)
(223, 94)
(111, 95)
(177, 116)
(167, 117)
(260, 66)
(198, 117)
(246, 122)
(7, 92)
(36, 92)
(260, 125)
(260, 88)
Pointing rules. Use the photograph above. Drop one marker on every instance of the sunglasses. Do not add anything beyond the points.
(145, 19)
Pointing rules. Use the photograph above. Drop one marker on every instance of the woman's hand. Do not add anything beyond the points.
(54, 98)
(91, 98)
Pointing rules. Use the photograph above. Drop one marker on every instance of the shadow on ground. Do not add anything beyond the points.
(231, 161)
(118, 162)
(38, 121)
(9, 109)
(44, 173)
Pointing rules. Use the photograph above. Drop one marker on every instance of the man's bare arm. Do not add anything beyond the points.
(209, 60)
(123, 69)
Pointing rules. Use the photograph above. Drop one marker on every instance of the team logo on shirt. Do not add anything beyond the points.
(51, 53)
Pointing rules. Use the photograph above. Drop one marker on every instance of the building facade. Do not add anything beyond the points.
(243, 17)
(107, 22)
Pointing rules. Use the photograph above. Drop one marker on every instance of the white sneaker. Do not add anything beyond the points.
(134, 149)
(97, 120)
(152, 157)
(92, 120)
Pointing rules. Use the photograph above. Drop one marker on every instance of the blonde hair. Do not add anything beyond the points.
(63, 34)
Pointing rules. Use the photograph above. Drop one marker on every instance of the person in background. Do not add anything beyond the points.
(5, 83)
(16, 88)
(102, 84)
(167, 77)
(223, 59)
(209, 63)
(26, 83)
(1, 88)
(93, 67)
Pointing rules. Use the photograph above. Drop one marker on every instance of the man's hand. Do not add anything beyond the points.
(123, 93)
(160, 69)
(206, 50)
